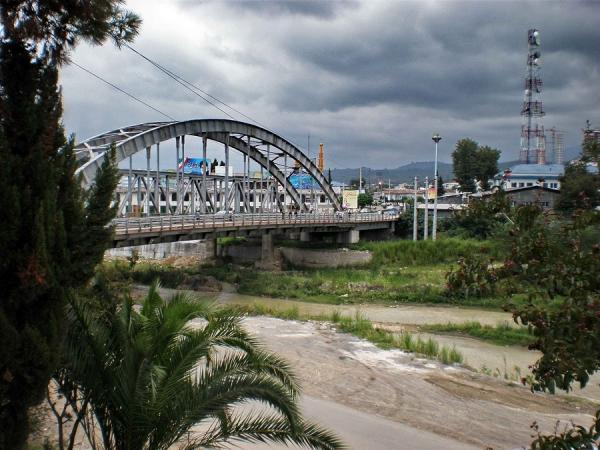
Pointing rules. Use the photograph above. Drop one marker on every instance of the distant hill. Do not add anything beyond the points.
(408, 172)
(402, 174)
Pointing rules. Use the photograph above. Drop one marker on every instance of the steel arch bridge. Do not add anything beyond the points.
(255, 144)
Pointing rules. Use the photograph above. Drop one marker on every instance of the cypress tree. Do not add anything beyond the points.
(53, 234)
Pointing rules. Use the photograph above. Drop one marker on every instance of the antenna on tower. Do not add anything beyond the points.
(533, 139)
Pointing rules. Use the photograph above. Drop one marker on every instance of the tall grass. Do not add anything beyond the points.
(448, 250)
(260, 309)
(501, 334)
(361, 327)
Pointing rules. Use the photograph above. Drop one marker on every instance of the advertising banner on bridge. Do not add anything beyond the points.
(193, 165)
(302, 181)
(350, 199)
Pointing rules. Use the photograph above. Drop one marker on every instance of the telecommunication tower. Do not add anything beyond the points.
(533, 140)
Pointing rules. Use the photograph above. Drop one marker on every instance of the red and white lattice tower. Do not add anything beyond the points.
(533, 139)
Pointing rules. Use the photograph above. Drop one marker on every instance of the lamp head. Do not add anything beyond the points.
(436, 138)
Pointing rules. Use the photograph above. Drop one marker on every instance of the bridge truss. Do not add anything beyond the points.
(203, 193)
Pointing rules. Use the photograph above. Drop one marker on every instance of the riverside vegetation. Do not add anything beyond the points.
(501, 334)
(401, 271)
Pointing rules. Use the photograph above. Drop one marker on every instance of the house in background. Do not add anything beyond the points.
(529, 175)
(541, 196)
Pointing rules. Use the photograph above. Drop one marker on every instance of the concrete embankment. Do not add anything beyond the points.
(249, 252)
(319, 258)
(198, 249)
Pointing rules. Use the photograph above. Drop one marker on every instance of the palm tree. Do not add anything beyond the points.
(152, 376)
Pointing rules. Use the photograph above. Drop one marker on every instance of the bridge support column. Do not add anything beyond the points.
(210, 247)
(348, 237)
(268, 257)
(305, 236)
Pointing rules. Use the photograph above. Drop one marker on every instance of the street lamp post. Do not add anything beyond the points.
(415, 212)
(436, 138)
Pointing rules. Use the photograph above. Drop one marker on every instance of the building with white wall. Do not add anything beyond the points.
(528, 175)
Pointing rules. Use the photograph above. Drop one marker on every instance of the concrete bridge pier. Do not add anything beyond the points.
(341, 237)
(269, 260)
(348, 237)
(305, 236)
(210, 247)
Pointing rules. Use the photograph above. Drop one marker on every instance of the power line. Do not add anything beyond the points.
(122, 91)
(193, 88)
(189, 86)
(186, 84)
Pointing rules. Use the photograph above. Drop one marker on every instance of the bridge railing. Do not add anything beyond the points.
(126, 226)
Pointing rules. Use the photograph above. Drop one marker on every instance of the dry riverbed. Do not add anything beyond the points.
(450, 401)
(455, 403)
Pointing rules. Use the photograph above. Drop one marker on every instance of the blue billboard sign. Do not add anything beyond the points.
(193, 166)
(301, 181)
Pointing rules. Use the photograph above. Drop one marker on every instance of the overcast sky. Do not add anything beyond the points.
(372, 80)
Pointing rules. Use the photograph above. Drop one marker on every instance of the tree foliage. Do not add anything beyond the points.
(441, 190)
(56, 26)
(578, 188)
(483, 217)
(473, 162)
(355, 183)
(574, 437)
(147, 376)
(49, 242)
(556, 264)
(365, 200)
(564, 310)
(590, 151)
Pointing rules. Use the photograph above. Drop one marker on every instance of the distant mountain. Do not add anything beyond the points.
(402, 174)
(408, 172)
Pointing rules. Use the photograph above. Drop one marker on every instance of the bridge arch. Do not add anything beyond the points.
(244, 137)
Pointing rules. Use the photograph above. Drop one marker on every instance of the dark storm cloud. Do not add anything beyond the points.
(462, 58)
(323, 9)
(312, 8)
(372, 79)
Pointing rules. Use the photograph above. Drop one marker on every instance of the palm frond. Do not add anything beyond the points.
(150, 376)
(269, 428)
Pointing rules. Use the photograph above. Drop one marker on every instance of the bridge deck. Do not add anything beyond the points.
(162, 228)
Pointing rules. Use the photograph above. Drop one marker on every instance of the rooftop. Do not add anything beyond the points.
(537, 169)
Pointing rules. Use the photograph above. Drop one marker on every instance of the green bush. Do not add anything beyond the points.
(482, 219)
(449, 250)
(473, 278)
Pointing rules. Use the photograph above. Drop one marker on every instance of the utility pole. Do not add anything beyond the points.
(359, 180)
(436, 138)
(426, 221)
(415, 221)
